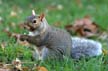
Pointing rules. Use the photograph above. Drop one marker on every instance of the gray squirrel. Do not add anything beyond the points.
(54, 43)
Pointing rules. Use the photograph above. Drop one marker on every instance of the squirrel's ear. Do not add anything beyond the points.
(33, 13)
(41, 16)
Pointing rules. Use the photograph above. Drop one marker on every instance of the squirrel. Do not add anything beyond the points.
(50, 42)
(55, 43)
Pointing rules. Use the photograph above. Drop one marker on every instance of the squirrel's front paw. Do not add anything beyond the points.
(19, 36)
(23, 37)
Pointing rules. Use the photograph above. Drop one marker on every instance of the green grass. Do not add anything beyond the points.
(72, 10)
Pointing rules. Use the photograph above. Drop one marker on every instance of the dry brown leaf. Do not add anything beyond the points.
(1, 65)
(40, 68)
(8, 66)
(69, 28)
(5, 67)
(84, 27)
(86, 21)
(2, 69)
(17, 64)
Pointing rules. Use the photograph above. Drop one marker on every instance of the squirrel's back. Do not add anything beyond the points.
(59, 35)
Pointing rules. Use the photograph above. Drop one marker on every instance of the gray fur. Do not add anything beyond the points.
(56, 43)
(82, 47)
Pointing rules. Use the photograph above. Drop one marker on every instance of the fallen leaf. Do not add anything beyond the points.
(40, 68)
(13, 24)
(5, 67)
(2, 69)
(1, 65)
(17, 64)
(60, 7)
(82, 22)
(84, 27)
(8, 66)
(25, 69)
(13, 14)
(3, 45)
(69, 28)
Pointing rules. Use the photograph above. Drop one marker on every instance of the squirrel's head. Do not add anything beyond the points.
(34, 21)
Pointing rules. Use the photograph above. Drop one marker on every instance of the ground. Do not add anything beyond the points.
(58, 13)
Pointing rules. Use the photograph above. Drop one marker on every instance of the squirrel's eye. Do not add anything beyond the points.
(34, 21)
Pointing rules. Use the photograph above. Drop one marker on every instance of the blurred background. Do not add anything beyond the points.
(58, 13)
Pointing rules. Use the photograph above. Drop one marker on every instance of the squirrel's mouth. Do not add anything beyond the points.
(29, 27)
(32, 29)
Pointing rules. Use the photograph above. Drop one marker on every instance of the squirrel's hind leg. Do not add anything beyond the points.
(40, 54)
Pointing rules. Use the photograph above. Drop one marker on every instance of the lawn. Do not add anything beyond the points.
(58, 13)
